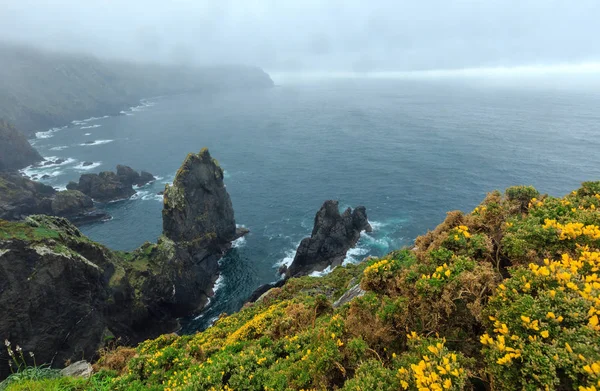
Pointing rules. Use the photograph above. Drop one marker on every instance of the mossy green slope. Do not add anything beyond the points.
(506, 297)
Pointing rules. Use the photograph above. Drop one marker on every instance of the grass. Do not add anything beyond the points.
(505, 297)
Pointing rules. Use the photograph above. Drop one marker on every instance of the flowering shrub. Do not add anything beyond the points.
(543, 326)
(511, 293)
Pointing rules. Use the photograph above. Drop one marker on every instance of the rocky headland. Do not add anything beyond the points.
(111, 186)
(15, 150)
(66, 296)
(21, 197)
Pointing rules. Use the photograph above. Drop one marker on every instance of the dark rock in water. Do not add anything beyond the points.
(109, 186)
(45, 177)
(52, 162)
(127, 175)
(197, 205)
(89, 142)
(198, 219)
(145, 178)
(104, 187)
(162, 192)
(21, 197)
(85, 164)
(70, 202)
(332, 236)
(15, 150)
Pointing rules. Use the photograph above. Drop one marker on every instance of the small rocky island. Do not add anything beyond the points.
(21, 197)
(72, 295)
(332, 236)
(110, 186)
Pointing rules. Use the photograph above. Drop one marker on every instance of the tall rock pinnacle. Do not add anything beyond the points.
(197, 207)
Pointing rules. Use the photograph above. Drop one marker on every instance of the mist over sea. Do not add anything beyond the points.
(408, 150)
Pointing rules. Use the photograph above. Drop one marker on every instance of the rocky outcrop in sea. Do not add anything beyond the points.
(21, 197)
(332, 236)
(65, 296)
(110, 186)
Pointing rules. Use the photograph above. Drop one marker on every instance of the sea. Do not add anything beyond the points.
(408, 149)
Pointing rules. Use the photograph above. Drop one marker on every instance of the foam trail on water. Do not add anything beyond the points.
(91, 126)
(81, 167)
(96, 142)
(322, 273)
(59, 148)
(239, 242)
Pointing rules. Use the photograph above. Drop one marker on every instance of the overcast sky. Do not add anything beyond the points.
(328, 35)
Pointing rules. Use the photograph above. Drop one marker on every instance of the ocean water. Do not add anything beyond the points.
(408, 150)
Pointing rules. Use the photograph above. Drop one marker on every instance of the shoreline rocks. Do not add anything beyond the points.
(110, 186)
(21, 197)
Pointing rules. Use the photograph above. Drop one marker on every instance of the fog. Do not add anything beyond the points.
(318, 36)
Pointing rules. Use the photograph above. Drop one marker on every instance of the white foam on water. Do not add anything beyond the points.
(59, 148)
(46, 134)
(91, 119)
(96, 142)
(151, 196)
(289, 257)
(355, 255)
(91, 126)
(60, 188)
(239, 242)
(81, 167)
(40, 173)
(377, 225)
(54, 158)
(220, 283)
(322, 273)
(139, 195)
(87, 134)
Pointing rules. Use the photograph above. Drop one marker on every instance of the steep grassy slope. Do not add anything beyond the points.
(506, 297)
(39, 89)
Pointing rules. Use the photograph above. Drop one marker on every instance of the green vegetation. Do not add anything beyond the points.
(506, 297)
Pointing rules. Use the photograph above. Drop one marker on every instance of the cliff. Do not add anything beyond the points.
(67, 296)
(41, 89)
(15, 150)
(505, 297)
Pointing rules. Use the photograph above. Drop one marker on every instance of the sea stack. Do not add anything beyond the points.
(67, 295)
(197, 207)
(332, 236)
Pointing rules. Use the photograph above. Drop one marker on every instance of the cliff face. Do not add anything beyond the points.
(15, 150)
(65, 295)
(40, 89)
(332, 236)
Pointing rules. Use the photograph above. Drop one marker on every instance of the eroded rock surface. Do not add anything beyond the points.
(21, 197)
(332, 236)
(110, 186)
